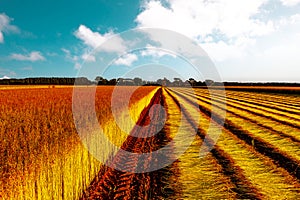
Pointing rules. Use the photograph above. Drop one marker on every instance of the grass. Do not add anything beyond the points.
(42, 156)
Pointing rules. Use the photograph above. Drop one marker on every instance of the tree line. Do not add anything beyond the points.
(176, 82)
(46, 81)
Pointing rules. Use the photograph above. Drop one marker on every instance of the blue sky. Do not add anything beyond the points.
(251, 40)
(48, 26)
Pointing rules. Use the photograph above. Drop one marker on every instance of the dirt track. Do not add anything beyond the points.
(114, 184)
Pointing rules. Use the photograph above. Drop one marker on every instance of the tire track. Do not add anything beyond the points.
(114, 184)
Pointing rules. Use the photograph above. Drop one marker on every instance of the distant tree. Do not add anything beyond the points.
(144, 82)
(177, 82)
(138, 81)
(159, 81)
(101, 81)
(192, 82)
(166, 82)
(209, 82)
(112, 81)
(120, 81)
(128, 81)
(186, 83)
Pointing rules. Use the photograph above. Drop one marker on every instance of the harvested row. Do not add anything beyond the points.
(282, 129)
(276, 111)
(263, 124)
(289, 100)
(281, 100)
(258, 169)
(263, 143)
(284, 118)
(265, 105)
(241, 186)
(280, 143)
(176, 181)
(282, 106)
(280, 126)
(198, 178)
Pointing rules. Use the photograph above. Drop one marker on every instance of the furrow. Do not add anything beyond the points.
(290, 121)
(279, 158)
(242, 186)
(251, 117)
(288, 129)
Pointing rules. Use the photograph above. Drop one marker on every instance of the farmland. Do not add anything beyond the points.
(42, 156)
(256, 155)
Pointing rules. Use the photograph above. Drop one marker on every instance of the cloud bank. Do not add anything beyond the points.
(247, 39)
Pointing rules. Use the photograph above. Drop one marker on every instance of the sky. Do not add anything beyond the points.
(249, 40)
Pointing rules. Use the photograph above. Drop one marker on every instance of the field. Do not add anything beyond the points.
(256, 155)
(42, 156)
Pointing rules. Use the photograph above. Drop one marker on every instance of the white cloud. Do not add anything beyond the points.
(90, 38)
(33, 56)
(77, 60)
(72, 58)
(291, 20)
(96, 40)
(231, 21)
(154, 52)
(127, 59)
(88, 57)
(290, 2)
(248, 40)
(221, 51)
(77, 66)
(69, 56)
(195, 18)
(5, 26)
(66, 51)
(4, 77)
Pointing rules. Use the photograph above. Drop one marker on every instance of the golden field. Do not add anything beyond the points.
(256, 156)
(42, 156)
